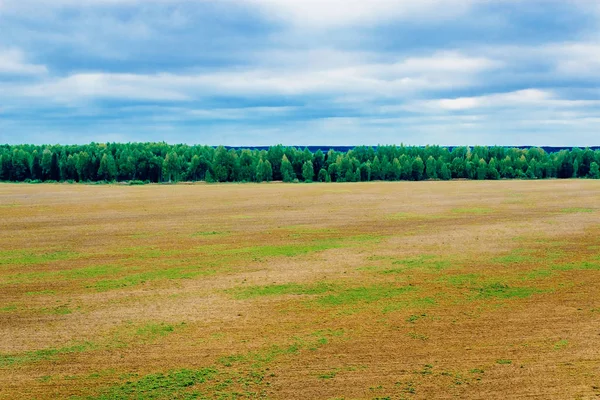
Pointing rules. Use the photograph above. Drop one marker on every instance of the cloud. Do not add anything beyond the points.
(526, 98)
(577, 59)
(12, 61)
(393, 79)
(338, 13)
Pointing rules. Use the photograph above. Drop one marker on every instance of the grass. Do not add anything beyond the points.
(7, 360)
(160, 386)
(162, 274)
(561, 344)
(153, 331)
(503, 291)
(196, 304)
(472, 210)
(460, 280)
(33, 257)
(365, 294)
(281, 290)
(209, 234)
(577, 210)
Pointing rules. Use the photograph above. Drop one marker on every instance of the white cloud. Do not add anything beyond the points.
(12, 61)
(337, 13)
(99, 85)
(577, 59)
(394, 79)
(526, 98)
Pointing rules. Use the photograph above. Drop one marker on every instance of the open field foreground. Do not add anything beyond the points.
(470, 290)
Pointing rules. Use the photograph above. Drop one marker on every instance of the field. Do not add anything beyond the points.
(465, 289)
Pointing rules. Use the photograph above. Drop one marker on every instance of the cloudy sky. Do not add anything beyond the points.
(301, 72)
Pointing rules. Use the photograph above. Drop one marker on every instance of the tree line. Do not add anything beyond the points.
(161, 162)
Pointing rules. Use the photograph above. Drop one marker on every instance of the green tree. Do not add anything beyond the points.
(46, 164)
(376, 169)
(171, 167)
(264, 171)
(430, 168)
(418, 168)
(482, 169)
(323, 175)
(308, 172)
(445, 173)
(223, 165)
(395, 170)
(594, 170)
(108, 168)
(287, 170)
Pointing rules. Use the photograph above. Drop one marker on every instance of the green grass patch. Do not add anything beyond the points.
(150, 276)
(89, 272)
(576, 210)
(366, 294)
(175, 384)
(460, 280)
(503, 291)
(422, 302)
(561, 344)
(504, 362)
(415, 216)
(59, 310)
(427, 262)
(7, 360)
(32, 257)
(41, 293)
(297, 249)
(281, 290)
(472, 211)
(328, 375)
(538, 274)
(514, 258)
(579, 266)
(259, 359)
(287, 250)
(209, 234)
(153, 331)
(8, 309)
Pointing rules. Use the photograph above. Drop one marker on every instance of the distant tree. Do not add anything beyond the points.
(376, 169)
(287, 170)
(267, 171)
(264, 171)
(247, 166)
(430, 168)
(308, 172)
(323, 175)
(274, 156)
(223, 165)
(418, 168)
(594, 170)
(332, 172)
(318, 161)
(482, 169)
(394, 170)
(492, 170)
(171, 167)
(108, 169)
(46, 164)
(445, 173)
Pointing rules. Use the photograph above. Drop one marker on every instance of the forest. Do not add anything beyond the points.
(161, 162)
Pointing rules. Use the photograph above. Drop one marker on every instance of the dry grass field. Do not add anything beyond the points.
(470, 290)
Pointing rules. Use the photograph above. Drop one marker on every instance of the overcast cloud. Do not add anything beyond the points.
(301, 72)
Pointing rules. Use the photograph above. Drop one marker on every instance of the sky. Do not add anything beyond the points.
(301, 72)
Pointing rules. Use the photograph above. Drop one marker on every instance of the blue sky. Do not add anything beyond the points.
(301, 72)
